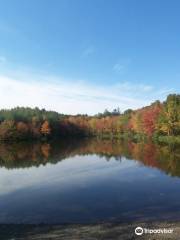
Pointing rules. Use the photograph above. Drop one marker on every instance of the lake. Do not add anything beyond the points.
(88, 181)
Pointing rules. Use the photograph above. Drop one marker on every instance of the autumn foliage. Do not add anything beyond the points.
(158, 119)
(45, 128)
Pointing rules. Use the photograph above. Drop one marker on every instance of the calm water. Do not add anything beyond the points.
(88, 181)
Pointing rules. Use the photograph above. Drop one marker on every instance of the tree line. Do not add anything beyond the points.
(159, 120)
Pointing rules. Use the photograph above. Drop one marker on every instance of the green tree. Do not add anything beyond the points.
(8, 130)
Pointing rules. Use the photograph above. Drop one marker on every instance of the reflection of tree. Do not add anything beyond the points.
(45, 149)
(23, 155)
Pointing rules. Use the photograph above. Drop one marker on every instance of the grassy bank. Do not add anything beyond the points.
(168, 140)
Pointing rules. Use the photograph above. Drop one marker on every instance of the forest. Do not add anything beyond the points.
(160, 121)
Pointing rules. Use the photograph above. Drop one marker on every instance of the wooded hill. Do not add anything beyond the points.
(155, 121)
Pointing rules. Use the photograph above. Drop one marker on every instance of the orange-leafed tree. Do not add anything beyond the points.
(45, 129)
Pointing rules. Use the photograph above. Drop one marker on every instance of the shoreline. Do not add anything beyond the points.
(104, 231)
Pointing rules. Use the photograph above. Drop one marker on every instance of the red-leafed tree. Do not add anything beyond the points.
(149, 118)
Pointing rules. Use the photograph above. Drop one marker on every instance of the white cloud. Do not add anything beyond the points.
(139, 88)
(71, 97)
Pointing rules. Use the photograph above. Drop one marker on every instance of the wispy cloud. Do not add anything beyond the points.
(135, 87)
(118, 67)
(121, 65)
(72, 97)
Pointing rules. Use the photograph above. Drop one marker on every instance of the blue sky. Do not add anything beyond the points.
(84, 56)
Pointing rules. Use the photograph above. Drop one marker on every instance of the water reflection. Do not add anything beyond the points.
(24, 155)
(88, 181)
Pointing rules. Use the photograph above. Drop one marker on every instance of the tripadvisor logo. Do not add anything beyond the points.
(139, 231)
